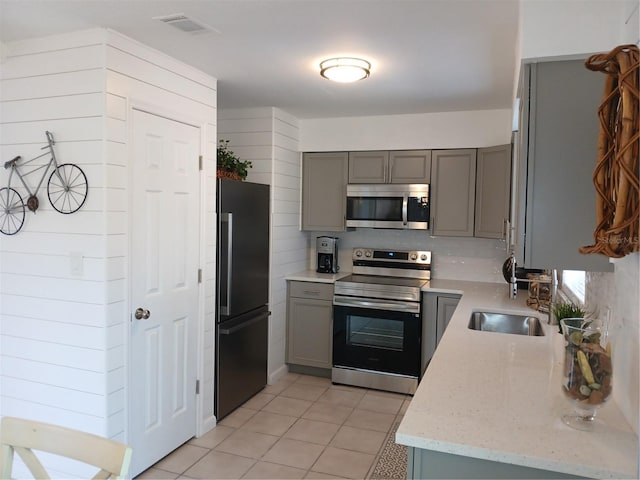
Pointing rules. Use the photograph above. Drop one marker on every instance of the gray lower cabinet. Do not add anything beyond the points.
(446, 306)
(558, 136)
(493, 191)
(427, 464)
(453, 187)
(400, 166)
(310, 324)
(324, 191)
(437, 310)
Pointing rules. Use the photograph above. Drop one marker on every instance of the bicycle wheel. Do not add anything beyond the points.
(11, 211)
(67, 188)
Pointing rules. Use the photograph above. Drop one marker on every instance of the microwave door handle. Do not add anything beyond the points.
(405, 201)
(228, 219)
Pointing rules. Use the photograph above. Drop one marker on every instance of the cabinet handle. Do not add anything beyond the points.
(311, 292)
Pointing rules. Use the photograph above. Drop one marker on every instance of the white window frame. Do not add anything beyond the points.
(573, 285)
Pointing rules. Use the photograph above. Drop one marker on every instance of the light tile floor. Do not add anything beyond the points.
(300, 427)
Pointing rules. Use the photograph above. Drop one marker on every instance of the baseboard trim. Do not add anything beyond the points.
(278, 374)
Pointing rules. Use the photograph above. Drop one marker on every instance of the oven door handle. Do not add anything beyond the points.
(377, 304)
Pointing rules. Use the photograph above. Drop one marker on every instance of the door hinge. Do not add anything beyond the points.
(197, 387)
(199, 275)
(200, 161)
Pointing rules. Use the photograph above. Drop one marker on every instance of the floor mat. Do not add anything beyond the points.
(392, 461)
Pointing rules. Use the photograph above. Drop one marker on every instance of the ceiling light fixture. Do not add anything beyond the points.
(345, 69)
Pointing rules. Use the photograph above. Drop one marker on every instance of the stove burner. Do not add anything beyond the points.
(389, 274)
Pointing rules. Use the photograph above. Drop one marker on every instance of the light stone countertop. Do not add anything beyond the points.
(498, 397)
(313, 276)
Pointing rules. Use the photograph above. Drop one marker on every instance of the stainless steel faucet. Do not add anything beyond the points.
(553, 286)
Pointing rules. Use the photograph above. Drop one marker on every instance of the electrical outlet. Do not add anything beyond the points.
(76, 263)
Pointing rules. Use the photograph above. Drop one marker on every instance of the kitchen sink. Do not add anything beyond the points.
(506, 323)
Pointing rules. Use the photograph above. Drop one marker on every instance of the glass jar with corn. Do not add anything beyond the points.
(586, 379)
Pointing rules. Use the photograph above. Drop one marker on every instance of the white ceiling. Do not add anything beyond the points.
(427, 55)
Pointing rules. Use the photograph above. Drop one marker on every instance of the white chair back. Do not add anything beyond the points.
(23, 436)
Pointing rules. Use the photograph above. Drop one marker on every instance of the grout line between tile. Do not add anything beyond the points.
(397, 417)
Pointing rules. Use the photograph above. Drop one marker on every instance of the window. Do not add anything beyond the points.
(573, 284)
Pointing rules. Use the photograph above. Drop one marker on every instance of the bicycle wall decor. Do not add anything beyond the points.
(67, 188)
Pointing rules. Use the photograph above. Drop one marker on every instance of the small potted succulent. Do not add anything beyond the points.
(229, 164)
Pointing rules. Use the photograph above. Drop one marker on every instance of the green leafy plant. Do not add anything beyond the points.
(568, 310)
(230, 162)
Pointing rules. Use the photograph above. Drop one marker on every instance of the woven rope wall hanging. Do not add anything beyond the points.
(616, 173)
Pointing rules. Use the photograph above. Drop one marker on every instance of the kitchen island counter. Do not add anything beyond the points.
(495, 397)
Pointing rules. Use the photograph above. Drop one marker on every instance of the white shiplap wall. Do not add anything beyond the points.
(268, 137)
(63, 335)
(288, 243)
(54, 329)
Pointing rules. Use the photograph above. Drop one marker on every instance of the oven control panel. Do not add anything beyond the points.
(392, 256)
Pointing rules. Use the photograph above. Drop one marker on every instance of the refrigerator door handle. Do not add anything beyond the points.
(227, 218)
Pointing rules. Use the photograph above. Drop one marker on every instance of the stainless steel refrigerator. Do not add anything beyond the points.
(242, 282)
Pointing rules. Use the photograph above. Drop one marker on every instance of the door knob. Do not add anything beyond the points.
(142, 314)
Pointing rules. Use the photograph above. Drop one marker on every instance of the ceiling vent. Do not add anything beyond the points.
(185, 24)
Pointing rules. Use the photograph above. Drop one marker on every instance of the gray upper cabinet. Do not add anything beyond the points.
(493, 191)
(410, 166)
(402, 166)
(453, 186)
(558, 151)
(324, 191)
(368, 167)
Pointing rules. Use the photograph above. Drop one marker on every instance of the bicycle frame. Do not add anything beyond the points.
(66, 188)
(53, 161)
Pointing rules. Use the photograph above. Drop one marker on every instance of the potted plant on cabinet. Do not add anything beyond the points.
(229, 164)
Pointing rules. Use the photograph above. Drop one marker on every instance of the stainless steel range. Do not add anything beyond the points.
(377, 325)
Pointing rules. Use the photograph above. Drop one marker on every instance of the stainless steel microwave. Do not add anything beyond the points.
(388, 206)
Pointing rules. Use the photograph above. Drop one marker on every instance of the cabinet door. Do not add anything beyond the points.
(437, 309)
(429, 327)
(453, 186)
(446, 306)
(562, 128)
(368, 167)
(324, 191)
(309, 339)
(493, 190)
(410, 166)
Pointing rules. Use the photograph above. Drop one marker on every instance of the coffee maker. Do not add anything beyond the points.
(327, 250)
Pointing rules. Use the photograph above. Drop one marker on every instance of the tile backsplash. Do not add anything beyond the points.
(617, 293)
(453, 258)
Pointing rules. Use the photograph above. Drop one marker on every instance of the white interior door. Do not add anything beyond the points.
(164, 285)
